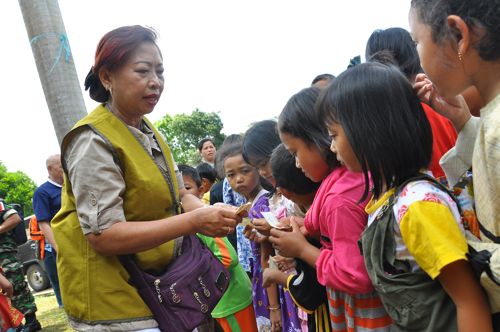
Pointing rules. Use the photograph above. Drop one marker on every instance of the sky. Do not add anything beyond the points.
(244, 59)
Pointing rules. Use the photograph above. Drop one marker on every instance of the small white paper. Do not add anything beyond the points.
(271, 219)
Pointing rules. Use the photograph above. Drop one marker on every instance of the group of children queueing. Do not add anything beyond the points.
(366, 239)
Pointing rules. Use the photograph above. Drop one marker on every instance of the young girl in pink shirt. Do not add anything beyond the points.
(336, 217)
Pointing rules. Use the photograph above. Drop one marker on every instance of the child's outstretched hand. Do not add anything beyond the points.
(6, 286)
(262, 226)
(252, 234)
(289, 244)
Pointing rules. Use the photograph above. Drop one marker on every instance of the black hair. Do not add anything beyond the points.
(187, 170)
(218, 163)
(235, 149)
(229, 150)
(287, 175)
(299, 120)
(322, 77)
(398, 44)
(481, 16)
(259, 142)
(203, 141)
(383, 120)
(207, 172)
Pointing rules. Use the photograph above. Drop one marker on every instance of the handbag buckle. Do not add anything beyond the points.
(204, 307)
(175, 297)
(157, 287)
(206, 292)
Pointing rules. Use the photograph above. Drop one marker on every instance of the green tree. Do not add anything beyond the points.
(183, 132)
(17, 187)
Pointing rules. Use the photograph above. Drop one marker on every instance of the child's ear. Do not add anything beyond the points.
(461, 33)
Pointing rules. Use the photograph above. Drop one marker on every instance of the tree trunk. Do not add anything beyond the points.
(54, 62)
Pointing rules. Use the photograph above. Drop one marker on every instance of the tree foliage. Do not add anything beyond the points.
(17, 187)
(183, 132)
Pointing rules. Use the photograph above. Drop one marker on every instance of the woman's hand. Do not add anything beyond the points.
(262, 226)
(215, 221)
(275, 317)
(454, 108)
(289, 244)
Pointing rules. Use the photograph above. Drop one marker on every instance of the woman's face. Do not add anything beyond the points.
(137, 85)
(439, 61)
(242, 177)
(342, 148)
(307, 157)
(208, 151)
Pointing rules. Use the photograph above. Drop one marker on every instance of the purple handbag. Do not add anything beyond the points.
(183, 296)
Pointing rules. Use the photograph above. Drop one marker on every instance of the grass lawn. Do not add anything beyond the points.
(50, 316)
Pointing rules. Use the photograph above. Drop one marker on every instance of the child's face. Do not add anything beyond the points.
(243, 178)
(266, 171)
(191, 186)
(307, 158)
(342, 148)
(439, 61)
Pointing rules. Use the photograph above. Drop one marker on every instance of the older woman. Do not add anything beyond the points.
(121, 192)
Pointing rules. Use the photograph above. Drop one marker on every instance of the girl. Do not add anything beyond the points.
(244, 179)
(336, 218)
(258, 144)
(465, 37)
(417, 259)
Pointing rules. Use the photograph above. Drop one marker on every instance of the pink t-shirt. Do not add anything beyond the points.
(336, 216)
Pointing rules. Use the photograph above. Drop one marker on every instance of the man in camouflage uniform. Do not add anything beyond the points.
(13, 269)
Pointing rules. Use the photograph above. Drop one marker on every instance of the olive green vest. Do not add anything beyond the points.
(413, 300)
(95, 288)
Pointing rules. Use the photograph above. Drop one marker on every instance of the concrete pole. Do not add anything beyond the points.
(54, 63)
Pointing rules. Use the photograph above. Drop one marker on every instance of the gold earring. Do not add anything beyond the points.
(460, 56)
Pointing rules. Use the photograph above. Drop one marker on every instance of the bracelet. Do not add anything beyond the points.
(273, 308)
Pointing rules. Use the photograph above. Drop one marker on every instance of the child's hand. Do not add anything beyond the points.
(252, 234)
(262, 226)
(275, 317)
(289, 244)
(268, 277)
(298, 220)
(284, 263)
(453, 108)
(6, 286)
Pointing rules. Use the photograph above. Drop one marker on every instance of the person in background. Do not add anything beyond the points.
(322, 80)
(46, 203)
(122, 191)
(208, 177)
(191, 179)
(207, 150)
(395, 46)
(22, 298)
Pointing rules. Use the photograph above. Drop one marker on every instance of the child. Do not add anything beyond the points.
(244, 180)
(234, 312)
(417, 259)
(302, 285)
(464, 35)
(396, 43)
(336, 218)
(258, 144)
(10, 317)
(192, 180)
(208, 177)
